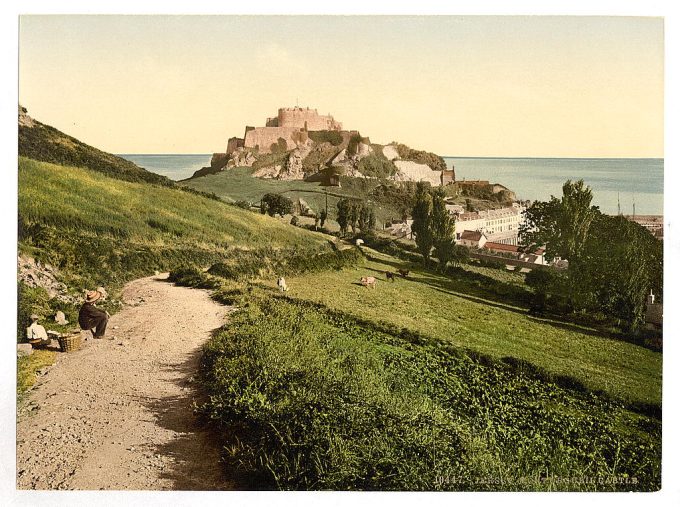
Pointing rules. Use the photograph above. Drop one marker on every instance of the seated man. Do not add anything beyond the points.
(92, 318)
(36, 334)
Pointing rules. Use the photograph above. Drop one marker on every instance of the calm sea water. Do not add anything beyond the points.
(638, 181)
(175, 167)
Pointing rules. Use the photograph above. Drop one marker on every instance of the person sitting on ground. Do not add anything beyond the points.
(92, 318)
(36, 334)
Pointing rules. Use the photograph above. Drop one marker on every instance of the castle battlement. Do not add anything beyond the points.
(286, 127)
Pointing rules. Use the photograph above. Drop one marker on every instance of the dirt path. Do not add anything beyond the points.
(118, 414)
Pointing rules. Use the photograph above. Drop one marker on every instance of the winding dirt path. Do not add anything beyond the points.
(118, 414)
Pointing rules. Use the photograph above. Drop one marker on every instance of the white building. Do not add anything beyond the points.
(498, 225)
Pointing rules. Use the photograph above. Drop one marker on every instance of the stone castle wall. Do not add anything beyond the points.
(301, 118)
(265, 137)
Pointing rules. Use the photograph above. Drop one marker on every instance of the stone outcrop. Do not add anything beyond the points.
(24, 119)
(35, 274)
(293, 168)
(219, 161)
(413, 171)
(241, 158)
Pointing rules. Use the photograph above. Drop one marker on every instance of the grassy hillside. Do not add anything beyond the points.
(102, 230)
(47, 144)
(313, 397)
(453, 311)
(238, 185)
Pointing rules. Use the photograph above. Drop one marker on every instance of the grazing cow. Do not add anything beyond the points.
(281, 283)
(368, 281)
(404, 272)
(389, 275)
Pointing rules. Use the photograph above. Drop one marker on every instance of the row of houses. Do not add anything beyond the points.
(497, 225)
(478, 240)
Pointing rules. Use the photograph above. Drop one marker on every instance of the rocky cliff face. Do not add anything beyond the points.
(322, 150)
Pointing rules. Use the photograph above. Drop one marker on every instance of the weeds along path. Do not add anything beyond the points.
(118, 414)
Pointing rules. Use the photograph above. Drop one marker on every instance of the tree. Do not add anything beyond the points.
(613, 262)
(443, 228)
(366, 218)
(421, 226)
(348, 214)
(561, 225)
(274, 204)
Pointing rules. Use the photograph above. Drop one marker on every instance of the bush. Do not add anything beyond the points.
(276, 204)
(245, 264)
(326, 136)
(311, 398)
(435, 162)
(374, 166)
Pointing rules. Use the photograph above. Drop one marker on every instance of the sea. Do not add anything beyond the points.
(631, 185)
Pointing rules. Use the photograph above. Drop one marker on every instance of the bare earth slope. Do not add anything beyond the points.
(118, 414)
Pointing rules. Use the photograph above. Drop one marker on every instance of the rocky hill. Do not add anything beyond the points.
(47, 144)
(289, 148)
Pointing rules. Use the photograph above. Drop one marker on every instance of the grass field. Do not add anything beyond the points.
(107, 230)
(311, 398)
(454, 312)
(238, 185)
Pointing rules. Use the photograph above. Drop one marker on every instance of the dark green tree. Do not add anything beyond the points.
(366, 218)
(422, 217)
(276, 204)
(348, 214)
(443, 227)
(613, 262)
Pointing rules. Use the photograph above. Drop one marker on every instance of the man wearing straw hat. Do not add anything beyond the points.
(91, 317)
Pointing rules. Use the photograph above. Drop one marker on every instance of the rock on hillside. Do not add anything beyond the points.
(35, 274)
(413, 171)
(47, 144)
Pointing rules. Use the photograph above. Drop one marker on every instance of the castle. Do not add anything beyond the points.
(285, 131)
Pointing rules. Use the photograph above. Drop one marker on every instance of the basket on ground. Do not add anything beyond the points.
(69, 342)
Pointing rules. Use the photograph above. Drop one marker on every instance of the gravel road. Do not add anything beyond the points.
(118, 414)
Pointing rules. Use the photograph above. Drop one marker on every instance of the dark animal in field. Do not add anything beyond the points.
(368, 281)
(389, 275)
(403, 272)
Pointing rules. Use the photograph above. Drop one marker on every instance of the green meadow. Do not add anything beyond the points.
(338, 386)
(433, 382)
(454, 312)
(98, 229)
(238, 185)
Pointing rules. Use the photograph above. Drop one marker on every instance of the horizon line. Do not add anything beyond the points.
(443, 156)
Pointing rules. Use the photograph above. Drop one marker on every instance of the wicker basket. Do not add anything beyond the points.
(70, 342)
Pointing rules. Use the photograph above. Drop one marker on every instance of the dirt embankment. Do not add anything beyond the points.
(118, 414)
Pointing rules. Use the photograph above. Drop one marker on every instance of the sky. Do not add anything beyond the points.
(513, 86)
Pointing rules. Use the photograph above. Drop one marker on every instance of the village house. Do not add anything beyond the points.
(535, 257)
(472, 239)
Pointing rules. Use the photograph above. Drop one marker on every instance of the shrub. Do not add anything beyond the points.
(326, 136)
(276, 204)
(435, 162)
(374, 166)
(310, 398)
